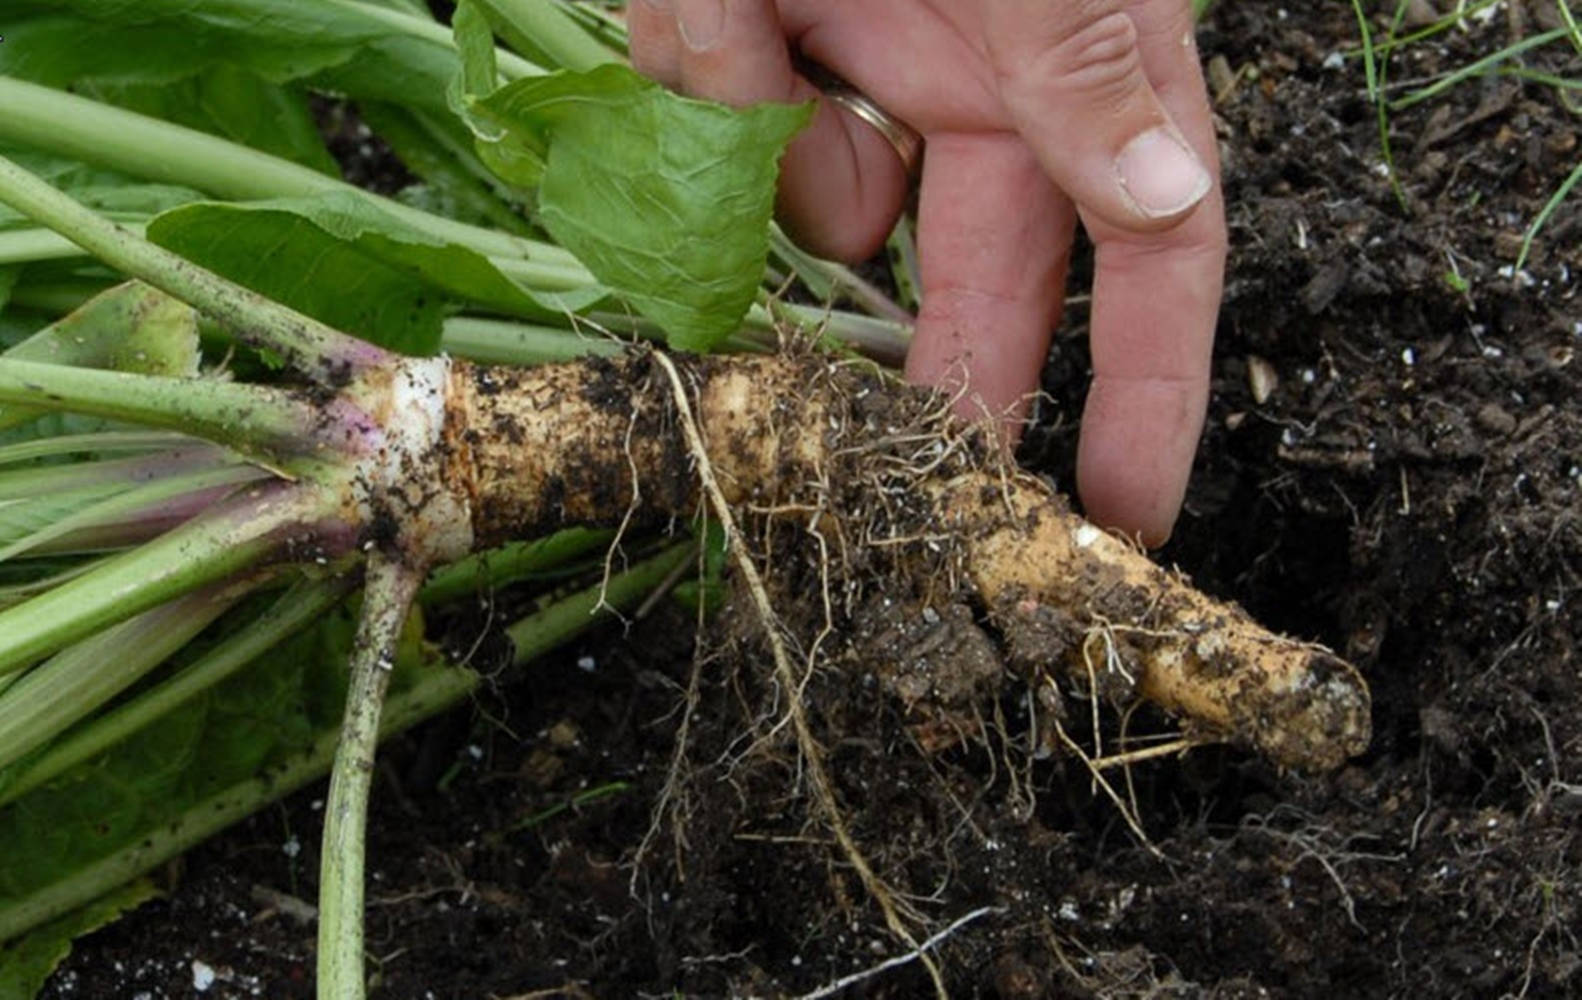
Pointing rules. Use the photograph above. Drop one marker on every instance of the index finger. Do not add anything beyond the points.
(1155, 301)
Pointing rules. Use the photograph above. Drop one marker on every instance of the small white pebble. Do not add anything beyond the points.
(202, 976)
(587, 663)
(1086, 535)
(1408, 357)
(292, 847)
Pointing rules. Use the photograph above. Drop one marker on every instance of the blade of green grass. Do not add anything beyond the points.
(1543, 216)
(1479, 67)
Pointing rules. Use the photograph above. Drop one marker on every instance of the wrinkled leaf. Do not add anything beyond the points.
(27, 962)
(340, 258)
(666, 200)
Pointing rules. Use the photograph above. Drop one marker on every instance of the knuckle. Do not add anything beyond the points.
(1095, 55)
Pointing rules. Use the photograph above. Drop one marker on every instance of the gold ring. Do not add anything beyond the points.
(903, 138)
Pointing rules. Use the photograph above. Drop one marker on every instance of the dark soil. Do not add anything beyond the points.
(1409, 493)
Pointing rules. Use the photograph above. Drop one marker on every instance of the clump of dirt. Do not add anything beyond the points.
(1408, 491)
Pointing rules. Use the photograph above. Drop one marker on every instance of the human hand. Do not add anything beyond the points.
(1035, 113)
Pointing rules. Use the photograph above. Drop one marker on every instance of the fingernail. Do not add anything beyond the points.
(1160, 174)
(701, 22)
(659, 5)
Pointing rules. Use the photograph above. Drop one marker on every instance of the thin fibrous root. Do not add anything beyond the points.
(812, 753)
(540, 448)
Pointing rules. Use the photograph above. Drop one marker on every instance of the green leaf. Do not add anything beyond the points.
(107, 191)
(21, 519)
(456, 184)
(256, 720)
(476, 73)
(28, 961)
(348, 47)
(131, 328)
(233, 102)
(666, 200)
(342, 259)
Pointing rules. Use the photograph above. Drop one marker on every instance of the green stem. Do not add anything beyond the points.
(1571, 181)
(310, 346)
(1479, 67)
(510, 563)
(76, 681)
(24, 246)
(248, 417)
(114, 516)
(439, 690)
(112, 475)
(502, 342)
(387, 598)
(238, 535)
(295, 609)
(157, 150)
(435, 691)
(91, 444)
(510, 65)
(531, 25)
(828, 279)
(534, 636)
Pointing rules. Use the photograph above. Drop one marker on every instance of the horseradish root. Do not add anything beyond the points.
(901, 494)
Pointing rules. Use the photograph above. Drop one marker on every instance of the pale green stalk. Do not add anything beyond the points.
(85, 444)
(135, 501)
(310, 346)
(73, 683)
(538, 24)
(503, 342)
(298, 607)
(439, 690)
(24, 246)
(483, 571)
(110, 473)
(510, 65)
(387, 597)
(535, 636)
(239, 535)
(248, 417)
(435, 691)
(157, 150)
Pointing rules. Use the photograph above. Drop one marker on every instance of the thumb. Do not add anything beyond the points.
(1070, 73)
